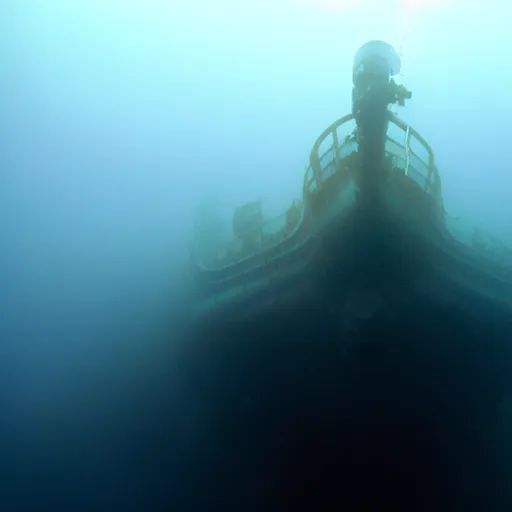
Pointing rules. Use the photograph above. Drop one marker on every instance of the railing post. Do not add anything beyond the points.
(407, 149)
(429, 173)
(315, 165)
(336, 146)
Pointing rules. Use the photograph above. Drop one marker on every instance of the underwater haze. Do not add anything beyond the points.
(118, 118)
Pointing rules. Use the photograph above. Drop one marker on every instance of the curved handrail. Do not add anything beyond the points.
(245, 259)
(432, 169)
(314, 174)
(315, 166)
(314, 158)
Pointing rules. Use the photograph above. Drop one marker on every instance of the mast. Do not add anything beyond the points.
(374, 90)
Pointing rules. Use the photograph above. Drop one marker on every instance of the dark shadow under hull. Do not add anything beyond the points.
(399, 411)
(370, 379)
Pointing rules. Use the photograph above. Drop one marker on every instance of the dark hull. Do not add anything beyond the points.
(362, 363)
(376, 382)
(396, 245)
(369, 373)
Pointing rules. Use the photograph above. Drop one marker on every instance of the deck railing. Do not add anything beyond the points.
(334, 144)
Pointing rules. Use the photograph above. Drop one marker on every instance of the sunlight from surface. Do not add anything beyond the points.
(229, 66)
(169, 70)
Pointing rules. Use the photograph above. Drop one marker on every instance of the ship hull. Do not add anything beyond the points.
(368, 373)
(397, 244)
(360, 363)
